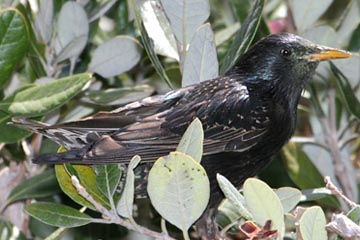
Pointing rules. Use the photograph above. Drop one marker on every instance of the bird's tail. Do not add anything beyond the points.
(28, 124)
(74, 156)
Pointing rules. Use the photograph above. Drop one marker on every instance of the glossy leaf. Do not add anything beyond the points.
(264, 204)
(107, 178)
(126, 202)
(312, 224)
(14, 41)
(289, 197)
(115, 56)
(201, 59)
(307, 12)
(41, 99)
(57, 215)
(185, 17)
(243, 37)
(234, 196)
(149, 46)
(41, 185)
(73, 27)
(179, 189)
(346, 92)
(191, 142)
(87, 179)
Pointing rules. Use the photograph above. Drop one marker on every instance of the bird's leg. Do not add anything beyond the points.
(207, 227)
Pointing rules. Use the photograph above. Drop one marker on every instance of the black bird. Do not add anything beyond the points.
(247, 115)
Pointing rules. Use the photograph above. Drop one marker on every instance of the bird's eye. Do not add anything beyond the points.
(285, 52)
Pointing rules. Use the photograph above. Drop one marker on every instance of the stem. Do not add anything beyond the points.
(186, 235)
(112, 217)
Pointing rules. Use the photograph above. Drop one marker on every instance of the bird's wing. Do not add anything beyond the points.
(222, 105)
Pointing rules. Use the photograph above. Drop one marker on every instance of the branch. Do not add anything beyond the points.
(331, 186)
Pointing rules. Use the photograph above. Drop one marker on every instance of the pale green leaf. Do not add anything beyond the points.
(107, 178)
(192, 141)
(289, 197)
(201, 59)
(125, 205)
(312, 224)
(264, 204)
(179, 189)
(115, 56)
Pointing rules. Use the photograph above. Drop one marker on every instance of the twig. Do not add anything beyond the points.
(344, 227)
(112, 217)
(329, 126)
(331, 186)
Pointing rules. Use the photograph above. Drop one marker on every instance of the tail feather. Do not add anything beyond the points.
(73, 156)
(28, 124)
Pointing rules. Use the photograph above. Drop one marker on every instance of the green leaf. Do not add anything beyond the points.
(191, 142)
(125, 204)
(234, 197)
(346, 92)
(264, 204)
(87, 178)
(289, 197)
(10, 134)
(57, 215)
(315, 194)
(41, 99)
(312, 224)
(243, 38)
(201, 59)
(115, 56)
(179, 189)
(107, 178)
(149, 46)
(354, 214)
(14, 41)
(41, 185)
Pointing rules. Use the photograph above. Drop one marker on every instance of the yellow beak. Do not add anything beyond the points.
(328, 54)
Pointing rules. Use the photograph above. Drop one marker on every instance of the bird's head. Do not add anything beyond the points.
(284, 61)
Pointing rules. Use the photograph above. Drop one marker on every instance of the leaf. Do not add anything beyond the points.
(10, 231)
(185, 17)
(44, 20)
(125, 204)
(158, 27)
(234, 197)
(149, 46)
(87, 179)
(289, 197)
(71, 50)
(73, 26)
(307, 12)
(101, 10)
(191, 142)
(107, 178)
(350, 20)
(179, 189)
(115, 56)
(315, 194)
(120, 96)
(243, 37)
(264, 204)
(41, 185)
(354, 214)
(41, 99)
(312, 224)
(201, 59)
(10, 134)
(346, 92)
(57, 215)
(14, 42)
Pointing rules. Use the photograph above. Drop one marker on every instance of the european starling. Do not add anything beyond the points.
(247, 115)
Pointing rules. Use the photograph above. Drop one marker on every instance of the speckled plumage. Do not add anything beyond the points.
(247, 115)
